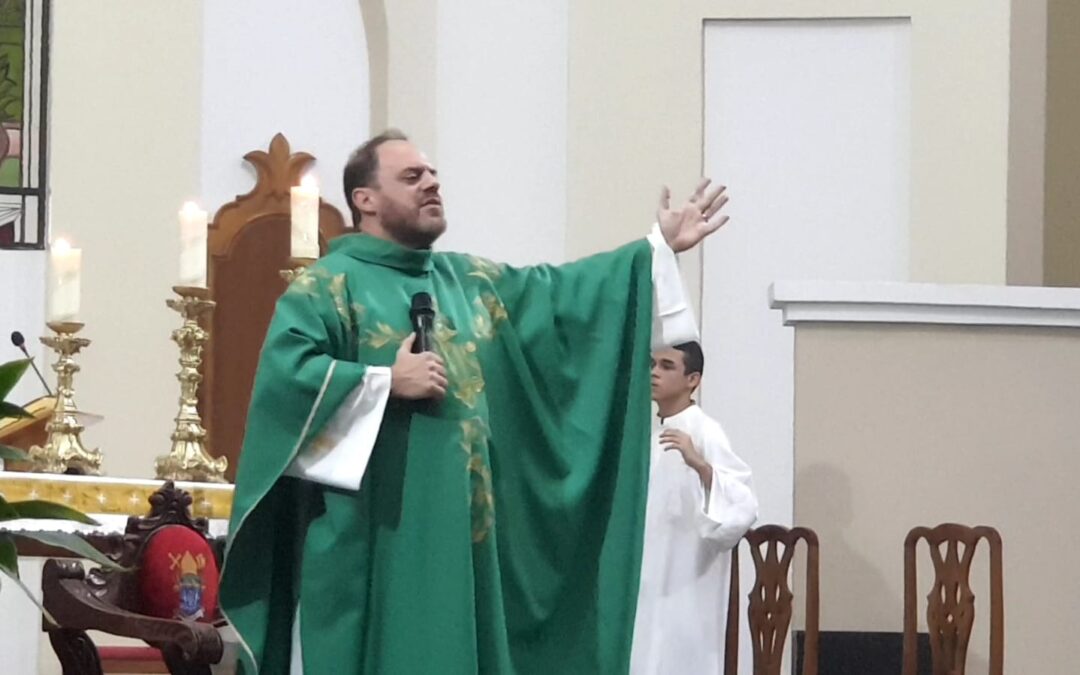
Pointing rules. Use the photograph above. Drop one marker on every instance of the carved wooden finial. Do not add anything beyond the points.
(277, 170)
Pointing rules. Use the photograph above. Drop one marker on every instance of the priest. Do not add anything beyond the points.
(476, 507)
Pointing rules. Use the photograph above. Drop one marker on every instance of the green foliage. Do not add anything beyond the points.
(35, 509)
(10, 92)
(10, 373)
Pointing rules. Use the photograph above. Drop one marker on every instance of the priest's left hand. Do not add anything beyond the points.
(684, 227)
(673, 439)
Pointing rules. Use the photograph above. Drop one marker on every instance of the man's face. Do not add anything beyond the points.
(669, 378)
(406, 196)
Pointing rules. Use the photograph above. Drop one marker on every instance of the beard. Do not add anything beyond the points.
(414, 227)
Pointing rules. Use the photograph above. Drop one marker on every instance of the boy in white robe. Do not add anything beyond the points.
(700, 503)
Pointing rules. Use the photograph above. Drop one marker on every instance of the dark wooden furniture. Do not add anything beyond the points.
(109, 600)
(248, 245)
(771, 600)
(950, 610)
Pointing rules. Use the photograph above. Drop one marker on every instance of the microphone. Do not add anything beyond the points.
(19, 341)
(422, 316)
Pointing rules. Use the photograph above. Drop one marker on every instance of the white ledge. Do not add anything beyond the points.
(893, 302)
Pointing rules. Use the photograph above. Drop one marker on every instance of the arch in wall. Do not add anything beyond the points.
(373, 13)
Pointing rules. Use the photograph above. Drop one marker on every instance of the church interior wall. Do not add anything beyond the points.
(905, 425)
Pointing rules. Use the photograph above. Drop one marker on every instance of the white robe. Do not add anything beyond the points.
(689, 534)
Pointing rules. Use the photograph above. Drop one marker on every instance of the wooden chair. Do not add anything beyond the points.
(771, 600)
(950, 612)
(248, 246)
(116, 602)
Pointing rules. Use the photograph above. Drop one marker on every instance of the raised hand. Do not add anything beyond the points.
(700, 216)
(680, 441)
(417, 376)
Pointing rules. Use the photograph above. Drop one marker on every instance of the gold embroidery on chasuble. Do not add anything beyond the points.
(462, 365)
(383, 335)
(466, 378)
(474, 435)
(482, 268)
(307, 282)
(336, 287)
(321, 445)
(316, 282)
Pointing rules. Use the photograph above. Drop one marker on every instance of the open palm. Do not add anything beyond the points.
(684, 227)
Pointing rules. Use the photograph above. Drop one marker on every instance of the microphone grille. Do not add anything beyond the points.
(421, 302)
(17, 339)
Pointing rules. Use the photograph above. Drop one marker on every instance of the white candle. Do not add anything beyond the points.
(65, 265)
(304, 204)
(192, 245)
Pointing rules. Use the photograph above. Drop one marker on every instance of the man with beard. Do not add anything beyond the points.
(475, 508)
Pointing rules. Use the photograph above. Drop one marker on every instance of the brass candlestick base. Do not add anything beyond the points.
(64, 451)
(188, 460)
(296, 266)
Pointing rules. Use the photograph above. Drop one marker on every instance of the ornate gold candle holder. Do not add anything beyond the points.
(64, 451)
(188, 460)
(296, 266)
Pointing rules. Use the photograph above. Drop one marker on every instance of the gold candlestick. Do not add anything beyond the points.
(64, 451)
(188, 460)
(296, 266)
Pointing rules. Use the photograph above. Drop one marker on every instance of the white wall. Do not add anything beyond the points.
(20, 638)
(501, 116)
(809, 122)
(22, 308)
(124, 155)
(270, 66)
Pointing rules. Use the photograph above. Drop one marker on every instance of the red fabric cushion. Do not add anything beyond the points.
(178, 578)
(115, 653)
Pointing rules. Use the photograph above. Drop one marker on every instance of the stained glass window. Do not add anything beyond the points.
(24, 80)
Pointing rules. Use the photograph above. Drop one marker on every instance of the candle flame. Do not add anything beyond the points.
(61, 245)
(309, 182)
(190, 208)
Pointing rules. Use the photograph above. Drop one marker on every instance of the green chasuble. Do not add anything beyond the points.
(498, 531)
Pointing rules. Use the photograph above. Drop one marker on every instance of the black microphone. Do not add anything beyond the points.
(422, 316)
(19, 341)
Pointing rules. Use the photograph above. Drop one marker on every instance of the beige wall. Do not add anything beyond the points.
(411, 35)
(125, 144)
(898, 426)
(635, 120)
(1027, 142)
(1062, 252)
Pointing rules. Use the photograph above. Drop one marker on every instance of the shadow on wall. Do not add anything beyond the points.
(848, 580)
(853, 590)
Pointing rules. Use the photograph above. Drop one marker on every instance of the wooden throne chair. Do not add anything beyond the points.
(248, 246)
(166, 595)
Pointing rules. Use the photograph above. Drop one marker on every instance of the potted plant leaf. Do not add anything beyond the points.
(36, 509)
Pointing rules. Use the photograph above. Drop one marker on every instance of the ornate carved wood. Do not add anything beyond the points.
(771, 605)
(76, 652)
(108, 600)
(247, 247)
(950, 611)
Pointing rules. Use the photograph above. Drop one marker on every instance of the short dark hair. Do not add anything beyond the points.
(363, 165)
(693, 358)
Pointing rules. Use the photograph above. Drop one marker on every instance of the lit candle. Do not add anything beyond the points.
(305, 219)
(192, 245)
(64, 269)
